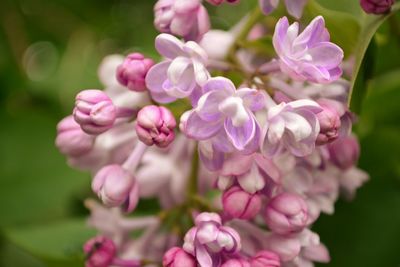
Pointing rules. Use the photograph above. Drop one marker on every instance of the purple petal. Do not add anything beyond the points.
(199, 129)
(252, 98)
(207, 106)
(242, 135)
(220, 84)
(326, 54)
(169, 46)
(314, 33)
(156, 76)
(203, 257)
(279, 35)
(212, 158)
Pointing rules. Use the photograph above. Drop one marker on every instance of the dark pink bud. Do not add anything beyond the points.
(71, 140)
(265, 258)
(94, 111)
(100, 252)
(177, 257)
(116, 187)
(241, 204)
(376, 6)
(344, 152)
(329, 122)
(155, 125)
(132, 72)
(236, 263)
(286, 213)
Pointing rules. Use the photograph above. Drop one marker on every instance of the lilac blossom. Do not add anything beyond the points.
(237, 203)
(226, 113)
(186, 18)
(181, 74)
(177, 257)
(294, 7)
(132, 72)
(293, 126)
(376, 6)
(209, 239)
(309, 55)
(155, 125)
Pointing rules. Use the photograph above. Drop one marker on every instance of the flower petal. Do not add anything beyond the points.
(169, 46)
(295, 7)
(199, 129)
(242, 135)
(220, 84)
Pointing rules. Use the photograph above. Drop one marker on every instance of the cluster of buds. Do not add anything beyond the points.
(275, 148)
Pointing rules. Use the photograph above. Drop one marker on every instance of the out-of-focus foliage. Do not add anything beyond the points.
(50, 49)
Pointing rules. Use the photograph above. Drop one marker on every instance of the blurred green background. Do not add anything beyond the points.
(50, 49)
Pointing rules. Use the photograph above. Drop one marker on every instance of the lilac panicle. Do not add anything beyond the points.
(181, 74)
(309, 55)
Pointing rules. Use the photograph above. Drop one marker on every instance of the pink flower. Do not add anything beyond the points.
(309, 55)
(209, 239)
(293, 126)
(177, 257)
(265, 258)
(71, 140)
(286, 213)
(376, 6)
(186, 18)
(94, 111)
(236, 263)
(115, 187)
(181, 74)
(237, 203)
(344, 152)
(132, 72)
(155, 125)
(329, 122)
(100, 252)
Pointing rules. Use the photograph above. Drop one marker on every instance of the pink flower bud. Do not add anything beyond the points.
(100, 252)
(236, 263)
(71, 140)
(376, 6)
(132, 72)
(94, 111)
(218, 2)
(241, 204)
(155, 125)
(286, 213)
(329, 122)
(265, 258)
(177, 257)
(115, 187)
(344, 152)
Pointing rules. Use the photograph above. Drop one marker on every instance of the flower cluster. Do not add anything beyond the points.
(272, 149)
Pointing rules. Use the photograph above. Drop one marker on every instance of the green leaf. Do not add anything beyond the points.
(369, 27)
(36, 184)
(57, 244)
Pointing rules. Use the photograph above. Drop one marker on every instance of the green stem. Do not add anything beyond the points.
(193, 181)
